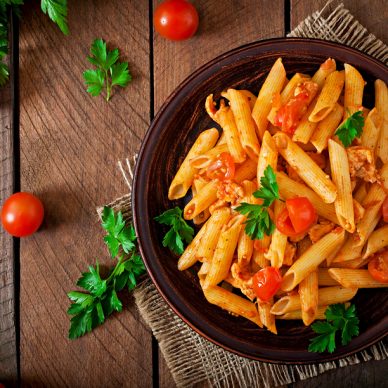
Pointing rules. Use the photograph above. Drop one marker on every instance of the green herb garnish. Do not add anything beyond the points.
(351, 128)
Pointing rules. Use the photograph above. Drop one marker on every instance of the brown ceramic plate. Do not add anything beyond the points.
(168, 140)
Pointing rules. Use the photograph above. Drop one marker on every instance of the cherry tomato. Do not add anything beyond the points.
(176, 19)
(266, 283)
(222, 168)
(378, 267)
(385, 209)
(297, 217)
(22, 214)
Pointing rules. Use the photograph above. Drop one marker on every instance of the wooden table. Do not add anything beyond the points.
(66, 151)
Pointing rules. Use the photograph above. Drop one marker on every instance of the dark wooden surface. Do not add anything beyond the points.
(69, 146)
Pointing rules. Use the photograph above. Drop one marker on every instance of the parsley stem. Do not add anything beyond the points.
(108, 86)
(115, 269)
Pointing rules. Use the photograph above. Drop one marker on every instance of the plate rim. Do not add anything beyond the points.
(163, 288)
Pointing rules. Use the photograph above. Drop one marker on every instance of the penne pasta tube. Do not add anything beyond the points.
(259, 251)
(268, 319)
(268, 155)
(308, 292)
(185, 175)
(233, 303)
(222, 139)
(273, 85)
(198, 184)
(330, 93)
(326, 128)
(189, 256)
(224, 251)
(306, 168)
(361, 192)
(201, 201)
(203, 161)
(278, 244)
(326, 297)
(218, 219)
(297, 314)
(354, 89)
(305, 128)
(310, 260)
(381, 98)
(289, 188)
(340, 175)
(203, 272)
(359, 262)
(251, 98)
(376, 241)
(286, 94)
(326, 68)
(324, 279)
(245, 171)
(355, 278)
(246, 126)
(348, 251)
(371, 132)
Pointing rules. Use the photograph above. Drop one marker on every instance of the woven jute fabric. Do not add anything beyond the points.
(191, 358)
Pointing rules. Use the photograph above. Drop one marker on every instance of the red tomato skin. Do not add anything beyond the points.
(378, 266)
(223, 168)
(22, 214)
(385, 209)
(266, 283)
(302, 213)
(284, 225)
(176, 19)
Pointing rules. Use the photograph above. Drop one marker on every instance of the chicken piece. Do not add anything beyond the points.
(289, 254)
(317, 231)
(362, 163)
(243, 279)
(359, 211)
(230, 192)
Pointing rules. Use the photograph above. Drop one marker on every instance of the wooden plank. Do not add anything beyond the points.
(222, 27)
(8, 346)
(371, 14)
(70, 144)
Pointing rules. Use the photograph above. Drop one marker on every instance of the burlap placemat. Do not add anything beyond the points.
(191, 358)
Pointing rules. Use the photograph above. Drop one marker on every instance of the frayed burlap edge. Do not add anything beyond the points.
(191, 358)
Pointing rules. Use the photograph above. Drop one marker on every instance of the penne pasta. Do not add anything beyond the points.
(310, 259)
(273, 85)
(305, 128)
(297, 314)
(371, 132)
(324, 279)
(376, 241)
(381, 101)
(268, 155)
(354, 89)
(326, 68)
(259, 251)
(340, 175)
(198, 184)
(246, 126)
(245, 171)
(185, 175)
(355, 278)
(203, 161)
(308, 292)
(326, 128)
(233, 303)
(306, 168)
(267, 319)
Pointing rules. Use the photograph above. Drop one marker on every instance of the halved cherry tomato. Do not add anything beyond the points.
(176, 19)
(378, 267)
(385, 209)
(297, 217)
(22, 214)
(222, 168)
(266, 283)
(289, 115)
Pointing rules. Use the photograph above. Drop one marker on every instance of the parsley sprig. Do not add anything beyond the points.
(258, 220)
(339, 319)
(90, 309)
(57, 12)
(351, 128)
(179, 232)
(109, 72)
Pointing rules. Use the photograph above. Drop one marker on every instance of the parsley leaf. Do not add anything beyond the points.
(109, 72)
(269, 189)
(258, 220)
(351, 128)
(57, 12)
(339, 318)
(179, 232)
(90, 309)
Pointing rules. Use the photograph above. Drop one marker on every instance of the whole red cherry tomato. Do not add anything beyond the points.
(22, 214)
(378, 266)
(266, 283)
(297, 217)
(176, 19)
(385, 209)
(222, 168)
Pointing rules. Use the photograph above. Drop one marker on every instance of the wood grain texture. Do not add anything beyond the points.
(8, 350)
(70, 144)
(221, 28)
(371, 14)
